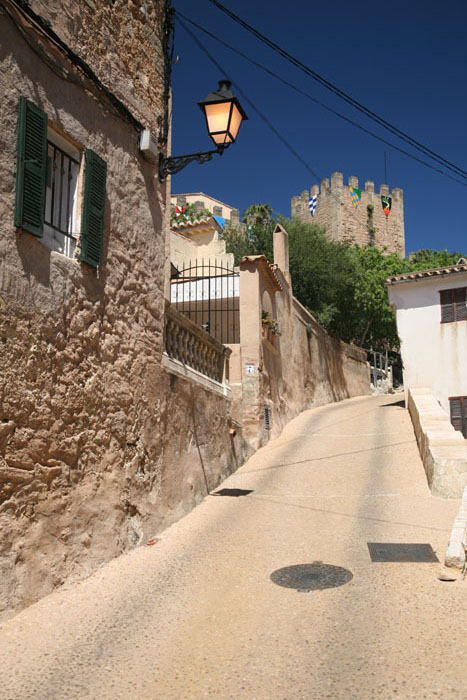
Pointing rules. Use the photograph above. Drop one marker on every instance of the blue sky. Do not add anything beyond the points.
(406, 61)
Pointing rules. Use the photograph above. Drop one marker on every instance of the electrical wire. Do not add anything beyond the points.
(258, 112)
(44, 27)
(247, 100)
(340, 93)
(313, 99)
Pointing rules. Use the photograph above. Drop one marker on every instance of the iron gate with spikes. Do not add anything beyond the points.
(208, 292)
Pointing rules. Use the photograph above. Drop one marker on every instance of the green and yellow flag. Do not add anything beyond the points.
(355, 196)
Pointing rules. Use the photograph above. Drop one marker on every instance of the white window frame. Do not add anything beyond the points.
(55, 224)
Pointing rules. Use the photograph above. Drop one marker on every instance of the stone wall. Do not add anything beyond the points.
(307, 367)
(287, 373)
(336, 213)
(100, 447)
(443, 450)
(121, 41)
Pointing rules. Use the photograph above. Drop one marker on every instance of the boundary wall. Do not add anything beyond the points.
(443, 450)
(286, 362)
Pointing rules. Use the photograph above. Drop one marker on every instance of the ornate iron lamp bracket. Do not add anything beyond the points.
(173, 164)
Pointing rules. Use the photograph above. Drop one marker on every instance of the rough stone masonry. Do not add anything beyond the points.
(365, 225)
(99, 445)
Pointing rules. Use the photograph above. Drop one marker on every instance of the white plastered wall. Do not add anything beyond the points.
(434, 353)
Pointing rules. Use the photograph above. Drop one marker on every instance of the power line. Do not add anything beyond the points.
(255, 109)
(313, 99)
(340, 93)
(247, 100)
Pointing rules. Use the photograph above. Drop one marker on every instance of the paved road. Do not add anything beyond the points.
(197, 615)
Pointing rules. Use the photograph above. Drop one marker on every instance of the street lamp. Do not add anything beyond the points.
(224, 115)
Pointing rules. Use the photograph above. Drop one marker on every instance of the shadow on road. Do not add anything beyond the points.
(320, 459)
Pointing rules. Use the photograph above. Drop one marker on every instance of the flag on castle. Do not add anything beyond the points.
(355, 196)
(387, 204)
(312, 202)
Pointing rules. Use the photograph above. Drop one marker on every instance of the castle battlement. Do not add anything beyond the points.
(369, 222)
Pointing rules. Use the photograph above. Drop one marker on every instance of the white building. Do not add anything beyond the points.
(431, 316)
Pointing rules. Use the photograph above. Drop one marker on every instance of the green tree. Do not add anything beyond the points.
(427, 259)
(341, 284)
(257, 239)
(375, 324)
(322, 272)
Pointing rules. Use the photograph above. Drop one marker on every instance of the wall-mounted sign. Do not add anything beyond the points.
(249, 370)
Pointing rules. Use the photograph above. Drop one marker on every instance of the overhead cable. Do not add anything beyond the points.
(245, 98)
(340, 93)
(255, 109)
(313, 99)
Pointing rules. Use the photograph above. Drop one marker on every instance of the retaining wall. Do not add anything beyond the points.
(443, 450)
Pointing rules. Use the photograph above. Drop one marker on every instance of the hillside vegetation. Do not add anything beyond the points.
(341, 284)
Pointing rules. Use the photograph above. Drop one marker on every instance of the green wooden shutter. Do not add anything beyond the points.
(93, 209)
(461, 306)
(447, 306)
(458, 414)
(31, 166)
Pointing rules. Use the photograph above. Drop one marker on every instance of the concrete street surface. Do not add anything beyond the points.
(198, 616)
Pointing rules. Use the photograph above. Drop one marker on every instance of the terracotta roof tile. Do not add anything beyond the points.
(424, 274)
(196, 222)
(266, 267)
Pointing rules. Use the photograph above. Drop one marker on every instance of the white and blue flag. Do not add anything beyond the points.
(312, 202)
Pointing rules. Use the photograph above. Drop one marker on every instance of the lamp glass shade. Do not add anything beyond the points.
(218, 117)
(224, 114)
(235, 121)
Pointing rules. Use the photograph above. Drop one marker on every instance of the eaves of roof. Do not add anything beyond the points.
(200, 194)
(203, 221)
(436, 273)
(266, 267)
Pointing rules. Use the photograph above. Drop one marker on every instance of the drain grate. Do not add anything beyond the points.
(401, 552)
(232, 492)
(311, 577)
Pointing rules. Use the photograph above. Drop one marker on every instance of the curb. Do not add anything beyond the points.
(456, 551)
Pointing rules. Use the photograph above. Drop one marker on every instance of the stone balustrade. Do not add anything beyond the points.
(193, 347)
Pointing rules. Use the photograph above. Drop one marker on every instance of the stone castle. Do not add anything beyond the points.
(366, 224)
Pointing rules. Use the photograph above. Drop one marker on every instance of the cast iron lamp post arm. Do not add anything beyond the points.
(173, 164)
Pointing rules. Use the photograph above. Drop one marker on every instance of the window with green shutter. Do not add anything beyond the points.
(31, 168)
(93, 209)
(48, 170)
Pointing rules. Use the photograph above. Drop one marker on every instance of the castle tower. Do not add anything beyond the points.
(335, 212)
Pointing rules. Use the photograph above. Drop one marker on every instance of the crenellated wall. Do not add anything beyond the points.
(365, 225)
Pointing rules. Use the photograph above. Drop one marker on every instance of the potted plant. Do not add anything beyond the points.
(269, 327)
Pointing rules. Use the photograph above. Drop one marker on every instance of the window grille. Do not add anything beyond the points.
(458, 410)
(47, 172)
(453, 305)
(62, 179)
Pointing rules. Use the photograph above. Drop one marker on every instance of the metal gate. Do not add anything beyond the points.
(209, 293)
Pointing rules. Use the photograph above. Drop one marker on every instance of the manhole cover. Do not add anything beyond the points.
(311, 577)
(401, 552)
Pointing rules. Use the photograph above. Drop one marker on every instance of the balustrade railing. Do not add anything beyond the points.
(192, 346)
